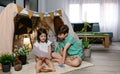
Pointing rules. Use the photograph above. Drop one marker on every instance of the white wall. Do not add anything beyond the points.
(41, 6)
(52, 5)
(20, 2)
(44, 5)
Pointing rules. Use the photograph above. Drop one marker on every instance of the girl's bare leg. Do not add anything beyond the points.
(50, 65)
(73, 61)
(38, 65)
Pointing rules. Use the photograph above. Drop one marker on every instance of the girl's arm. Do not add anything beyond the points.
(65, 51)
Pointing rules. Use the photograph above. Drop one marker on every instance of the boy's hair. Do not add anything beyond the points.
(63, 29)
(39, 32)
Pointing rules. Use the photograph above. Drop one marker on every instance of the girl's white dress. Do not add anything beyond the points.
(43, 46)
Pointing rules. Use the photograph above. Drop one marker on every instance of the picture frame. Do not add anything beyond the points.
(31, 5)
(4, 3)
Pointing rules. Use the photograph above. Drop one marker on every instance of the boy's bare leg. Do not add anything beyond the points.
(56, 57)
(50, 65)
(73, 61)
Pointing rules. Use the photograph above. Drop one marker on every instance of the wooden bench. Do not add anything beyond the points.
(105, 38)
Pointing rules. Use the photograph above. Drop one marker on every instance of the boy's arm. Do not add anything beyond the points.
(65, 51)
(49, 50)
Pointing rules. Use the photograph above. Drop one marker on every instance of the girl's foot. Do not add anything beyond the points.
(47, 69)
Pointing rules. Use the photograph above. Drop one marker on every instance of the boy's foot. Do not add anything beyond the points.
(56, 60)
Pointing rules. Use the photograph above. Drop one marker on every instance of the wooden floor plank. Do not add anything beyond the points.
(106, 61)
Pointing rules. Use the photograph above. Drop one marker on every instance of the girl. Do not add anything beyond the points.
(69, 50)
(43, 45)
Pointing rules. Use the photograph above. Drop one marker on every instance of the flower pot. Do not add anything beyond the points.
(6, 67)
(87, 53)
(17, 65)
(23, 59)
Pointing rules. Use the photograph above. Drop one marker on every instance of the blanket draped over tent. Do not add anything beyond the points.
(7, 23)
(7, 27)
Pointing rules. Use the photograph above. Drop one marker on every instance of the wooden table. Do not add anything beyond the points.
(105, 37)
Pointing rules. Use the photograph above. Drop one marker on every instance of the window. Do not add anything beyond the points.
(104, 12)
(74, 13)
(91, 12)
(86, 12)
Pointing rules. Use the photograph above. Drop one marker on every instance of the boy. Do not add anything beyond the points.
(69, 50)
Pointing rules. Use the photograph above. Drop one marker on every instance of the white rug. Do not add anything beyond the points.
(30, 68)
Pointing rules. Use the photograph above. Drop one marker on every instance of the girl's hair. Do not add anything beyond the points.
(39, 32)
(63, 29)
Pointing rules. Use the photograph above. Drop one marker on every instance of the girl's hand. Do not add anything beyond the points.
(41, 58)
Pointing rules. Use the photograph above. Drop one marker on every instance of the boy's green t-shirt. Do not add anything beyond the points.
(75, 48)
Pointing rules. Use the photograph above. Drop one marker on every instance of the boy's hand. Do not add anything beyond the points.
(50, 58)
(62, 61)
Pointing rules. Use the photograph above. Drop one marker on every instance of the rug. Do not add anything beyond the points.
(30, 68)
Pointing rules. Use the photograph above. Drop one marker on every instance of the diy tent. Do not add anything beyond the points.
(7, 26)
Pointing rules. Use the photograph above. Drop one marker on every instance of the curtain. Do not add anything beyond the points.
(118, 28)
(108, 14)
(109, 17)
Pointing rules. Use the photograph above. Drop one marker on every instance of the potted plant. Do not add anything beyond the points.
(22, 53)
(6, 59)
(85, 42)
(86, 47)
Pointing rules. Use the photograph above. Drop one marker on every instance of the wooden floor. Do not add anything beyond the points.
(106, 61)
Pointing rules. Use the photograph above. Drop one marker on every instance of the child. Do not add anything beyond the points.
(44, 45)
(69, 50)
